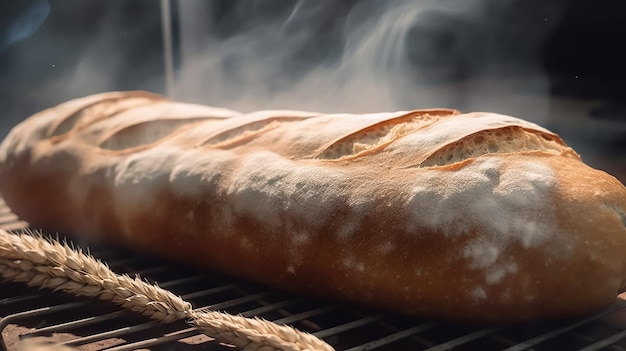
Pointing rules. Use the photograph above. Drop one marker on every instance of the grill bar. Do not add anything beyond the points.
(347, 326)
(559, 331)
(605, 342)
(18, 299)
(38, 312)
(303, 316)
(271, 307)
(110, 334)
(448, 345)
(181, 334)
(393, 337)
(75, 324)
(207, 292)
(235, 302)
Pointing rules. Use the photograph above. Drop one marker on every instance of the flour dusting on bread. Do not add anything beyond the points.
(510, 203)
(266, 185)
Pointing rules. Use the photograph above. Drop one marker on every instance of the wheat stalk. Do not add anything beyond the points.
(36, 261)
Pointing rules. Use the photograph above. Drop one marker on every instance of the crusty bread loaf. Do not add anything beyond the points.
(476, 216)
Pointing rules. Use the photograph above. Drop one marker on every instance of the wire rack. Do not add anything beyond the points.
(89, 324)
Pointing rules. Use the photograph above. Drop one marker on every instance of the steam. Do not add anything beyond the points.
(375, 56)
(317, 55)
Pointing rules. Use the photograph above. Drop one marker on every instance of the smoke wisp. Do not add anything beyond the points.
(318, 55)
(366, 56)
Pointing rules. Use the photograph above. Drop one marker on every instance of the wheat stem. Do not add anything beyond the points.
(36, 261)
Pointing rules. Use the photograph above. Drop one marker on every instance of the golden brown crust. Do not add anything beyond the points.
(496, 235)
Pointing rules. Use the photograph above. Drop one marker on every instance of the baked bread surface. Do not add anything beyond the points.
(474, 217)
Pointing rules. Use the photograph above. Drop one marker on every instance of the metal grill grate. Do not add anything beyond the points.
(96, 325)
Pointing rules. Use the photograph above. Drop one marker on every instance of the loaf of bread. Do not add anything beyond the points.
(472, 217)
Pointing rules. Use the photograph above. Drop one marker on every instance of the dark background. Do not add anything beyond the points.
(583, 52)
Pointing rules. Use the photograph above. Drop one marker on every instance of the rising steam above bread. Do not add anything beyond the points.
(463, 216)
